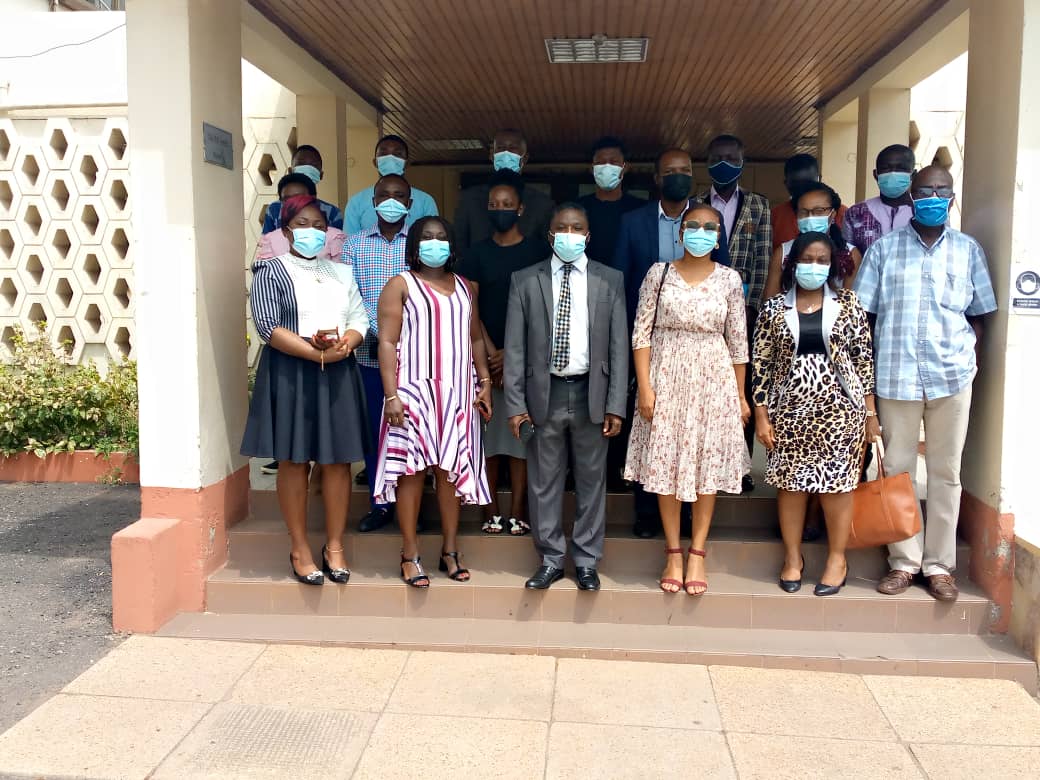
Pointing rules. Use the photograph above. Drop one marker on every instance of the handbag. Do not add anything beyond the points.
(885, 510)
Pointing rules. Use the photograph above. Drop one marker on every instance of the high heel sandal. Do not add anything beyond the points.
(418, 580)
(339, 576)
(831, 590)
(314, 578)
(460, 574)
(792, 586)
(695, 583)
(668, 580)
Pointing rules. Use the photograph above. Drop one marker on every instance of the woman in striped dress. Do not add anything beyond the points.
(435, 381)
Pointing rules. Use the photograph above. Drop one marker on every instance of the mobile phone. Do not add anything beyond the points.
(327, 335)
(526, 431)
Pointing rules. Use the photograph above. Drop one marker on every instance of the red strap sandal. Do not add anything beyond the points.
(695, 583)
(668, 580)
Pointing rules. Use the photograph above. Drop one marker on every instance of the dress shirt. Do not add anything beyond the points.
(579, 327)
(375, 262)
(866, 222)
(923, 344)
(669, 247)
(728, 208)
(360, 214)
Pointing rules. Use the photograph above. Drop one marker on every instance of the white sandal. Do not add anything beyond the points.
(492, 526)
(518, 527)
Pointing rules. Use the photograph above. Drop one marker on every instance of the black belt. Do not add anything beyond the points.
(571, 378)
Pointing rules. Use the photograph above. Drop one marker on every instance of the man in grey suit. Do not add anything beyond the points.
(566, 374)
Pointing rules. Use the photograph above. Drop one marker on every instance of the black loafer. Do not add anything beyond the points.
(544, 577)
(379, 517)
(588, 578)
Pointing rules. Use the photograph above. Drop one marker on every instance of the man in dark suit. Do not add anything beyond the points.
(472, 223)
(749, 226)
(566, 373)
(648, 235)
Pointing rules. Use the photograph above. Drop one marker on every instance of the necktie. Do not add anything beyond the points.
(561, 352)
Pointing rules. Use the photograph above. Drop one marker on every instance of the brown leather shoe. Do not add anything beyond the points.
(942, 587)
(895, 582)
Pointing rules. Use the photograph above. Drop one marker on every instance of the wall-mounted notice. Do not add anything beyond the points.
(1025, 290)
(216, 146)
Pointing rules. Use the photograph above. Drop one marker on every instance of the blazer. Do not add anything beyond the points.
(528, 342)
(751, 244)
(638, 250)
(846, 340)
(472, 224)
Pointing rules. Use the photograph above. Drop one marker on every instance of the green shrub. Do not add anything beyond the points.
(48, 405)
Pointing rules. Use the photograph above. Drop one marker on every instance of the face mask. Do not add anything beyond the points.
(503, 219)
(392, 211)
(434, 253)
(309, 171)
(676, 186)
(509, 161)
(811, 276)
(724, 172)
(308, 241)
(607, 176)
(699, 242)
(569, 246)
(814, 224)
(390, 164)
(932, 212)
(894, 183)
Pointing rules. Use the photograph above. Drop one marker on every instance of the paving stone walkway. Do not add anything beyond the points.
(176, 708)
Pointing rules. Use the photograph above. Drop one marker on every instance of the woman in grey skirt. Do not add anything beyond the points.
(307, 402)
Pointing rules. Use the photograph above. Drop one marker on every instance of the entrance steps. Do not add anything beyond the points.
(743, 619)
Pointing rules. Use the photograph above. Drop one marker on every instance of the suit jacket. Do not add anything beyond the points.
(472, 224)
(528, 342)
(751, 245)
(638, 250)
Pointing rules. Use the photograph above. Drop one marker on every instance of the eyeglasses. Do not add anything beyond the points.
(693, 224)
(819, 211)
(918, 193)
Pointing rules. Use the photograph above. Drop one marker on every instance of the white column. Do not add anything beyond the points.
(838, 141)
(321, 121)
(884, 118)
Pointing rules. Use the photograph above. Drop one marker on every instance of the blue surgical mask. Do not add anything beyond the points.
(724, 172)
(509, 161)
(433, 252)
(390, 164)
(392, 211)
(309, 171)
(607, 176)
(700, 242)
(308, 241)
(932, 212)
(811, 276)
(569, 246)
(814, 224)
(893, 183)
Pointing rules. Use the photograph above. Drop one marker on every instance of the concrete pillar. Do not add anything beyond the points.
(999, 205)
(184, 68)
(884, 118)
(838, 141)
(361, 142)
(321, 121)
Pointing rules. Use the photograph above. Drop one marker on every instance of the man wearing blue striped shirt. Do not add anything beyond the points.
(926, 287)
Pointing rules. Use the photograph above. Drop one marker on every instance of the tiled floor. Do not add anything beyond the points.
(181, 708)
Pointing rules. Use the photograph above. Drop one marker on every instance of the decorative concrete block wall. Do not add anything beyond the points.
(65, 236)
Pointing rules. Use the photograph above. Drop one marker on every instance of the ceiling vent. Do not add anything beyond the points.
(598, 48)
(451, 144)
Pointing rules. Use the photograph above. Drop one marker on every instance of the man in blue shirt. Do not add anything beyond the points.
(927, 288)
(306, 160)
(391, 157)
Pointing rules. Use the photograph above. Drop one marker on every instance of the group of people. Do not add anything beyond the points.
(504, 342)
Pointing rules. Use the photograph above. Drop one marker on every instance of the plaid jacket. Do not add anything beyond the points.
(750, 243)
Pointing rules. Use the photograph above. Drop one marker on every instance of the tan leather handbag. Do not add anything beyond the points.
(885, 510)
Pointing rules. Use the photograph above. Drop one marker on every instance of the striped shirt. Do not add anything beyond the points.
(375, 262)
(866, 222)
(924, 346)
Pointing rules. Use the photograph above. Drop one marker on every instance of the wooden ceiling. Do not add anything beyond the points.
(460, 69)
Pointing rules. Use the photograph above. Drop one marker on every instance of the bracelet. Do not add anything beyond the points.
(390, 398)
(485, 379)
(871, 414)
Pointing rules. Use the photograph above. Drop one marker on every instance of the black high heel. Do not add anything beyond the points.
(420, 580)
(831, 590)
(460, 574)
(339, 576)
(314, 578)
(793, 586)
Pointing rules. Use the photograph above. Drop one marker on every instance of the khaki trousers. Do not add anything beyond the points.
(934, 550)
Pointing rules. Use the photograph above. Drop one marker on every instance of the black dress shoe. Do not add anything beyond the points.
(588, 578)
(645, 527)
(793, 586)
(544, 577)
(376, 519)
(829, 590)
(747, 484)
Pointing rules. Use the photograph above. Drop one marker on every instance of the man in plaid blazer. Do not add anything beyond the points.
(747, 219)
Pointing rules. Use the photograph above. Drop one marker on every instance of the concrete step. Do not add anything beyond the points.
(934, 655)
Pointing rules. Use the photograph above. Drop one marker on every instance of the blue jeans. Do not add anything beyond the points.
(374, 400)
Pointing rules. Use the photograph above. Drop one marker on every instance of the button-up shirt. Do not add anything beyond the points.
(669, 247)
(579, 325)
(924, 345)
(728, 208)
(866, 222)
(375, 262)
(360, 214)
